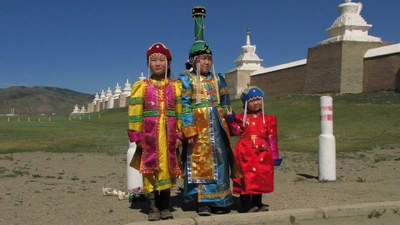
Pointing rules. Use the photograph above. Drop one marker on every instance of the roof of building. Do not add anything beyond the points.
(385, 50)
(280, 67)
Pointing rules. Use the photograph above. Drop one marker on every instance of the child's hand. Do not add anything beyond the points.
(229, 111)
(178, 143)
(139, 144)
(191, 140)
(230, 115)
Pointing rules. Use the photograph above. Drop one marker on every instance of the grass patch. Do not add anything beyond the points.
(362, 121)
(16, 173)
(382, 158)
(360, 180)
(7, 157)
(292, 219)
(376, 213)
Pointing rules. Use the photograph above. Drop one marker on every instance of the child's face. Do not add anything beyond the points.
(205, 63)
(254, 105)
(158, 64)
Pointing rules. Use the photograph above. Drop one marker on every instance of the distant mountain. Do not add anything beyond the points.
(41, 100)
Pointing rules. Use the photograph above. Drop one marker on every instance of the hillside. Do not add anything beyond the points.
(41, 100)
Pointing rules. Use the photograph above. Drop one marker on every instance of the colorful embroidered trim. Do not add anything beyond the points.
(163, 182)
(216, 195)
(134, 119)
(158, 113)
(186, 110)
(136, 101)
(160, 84)
(223, 91)
(205, 104)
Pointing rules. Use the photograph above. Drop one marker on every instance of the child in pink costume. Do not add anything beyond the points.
(255, 151)
(155, 126)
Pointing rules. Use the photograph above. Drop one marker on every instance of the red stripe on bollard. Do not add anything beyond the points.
(328, 117)
(327, 108)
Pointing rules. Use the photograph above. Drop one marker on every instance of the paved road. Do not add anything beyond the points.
(388, 219)
(386, 213)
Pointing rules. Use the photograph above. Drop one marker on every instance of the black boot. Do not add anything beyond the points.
(165, 196)
(257, 201)
(220, 210)
(204, 210)
(246, 204)
(154, 213)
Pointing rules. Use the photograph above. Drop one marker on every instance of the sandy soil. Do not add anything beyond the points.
(66, 188)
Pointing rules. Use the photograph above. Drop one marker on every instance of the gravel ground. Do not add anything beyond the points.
(66, 188)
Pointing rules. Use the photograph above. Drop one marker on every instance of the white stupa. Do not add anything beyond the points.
(117, 91)
(127, 88)
(76, 110)
(248, 60)
(83, 110)
(141, 76)
(349, 26)
(109, 93)
(246, 64)
(96, 98)
(102, 95)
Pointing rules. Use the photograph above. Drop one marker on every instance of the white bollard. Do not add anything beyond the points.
(133, 176)
(326, 142)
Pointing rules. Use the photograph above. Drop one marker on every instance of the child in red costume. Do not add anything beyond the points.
(255, 151)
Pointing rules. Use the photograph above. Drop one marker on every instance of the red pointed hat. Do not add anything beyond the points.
(159, 48)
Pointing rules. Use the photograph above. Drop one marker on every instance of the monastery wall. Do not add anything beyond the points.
(123, 101)
(90, 107)
(382, 73)
(338, 67)
(289, 80)
(323, 69)
(352, 64)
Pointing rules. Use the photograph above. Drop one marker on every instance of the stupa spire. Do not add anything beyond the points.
(248, 36)
(248, 60)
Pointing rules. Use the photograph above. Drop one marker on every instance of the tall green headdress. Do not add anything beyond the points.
(199, 47)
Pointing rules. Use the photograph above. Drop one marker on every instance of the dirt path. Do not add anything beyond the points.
(66, 188)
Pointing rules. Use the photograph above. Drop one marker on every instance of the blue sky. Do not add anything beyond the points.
(89, 45)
